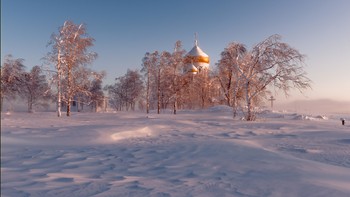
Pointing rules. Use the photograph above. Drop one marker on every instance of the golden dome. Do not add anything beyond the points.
(192, 69)
(197, 58)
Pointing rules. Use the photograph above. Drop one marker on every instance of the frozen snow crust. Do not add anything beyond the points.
(193, 153)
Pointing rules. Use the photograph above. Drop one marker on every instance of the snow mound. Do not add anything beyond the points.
(144, 132)
(220, 108)
(271, 114)
(308, 117)
(322, 117)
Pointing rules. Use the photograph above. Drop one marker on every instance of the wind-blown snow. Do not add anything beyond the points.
(193, 153)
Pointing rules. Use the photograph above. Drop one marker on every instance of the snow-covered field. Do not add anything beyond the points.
(193, 153)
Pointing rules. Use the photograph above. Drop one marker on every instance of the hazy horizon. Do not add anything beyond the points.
(317, 106)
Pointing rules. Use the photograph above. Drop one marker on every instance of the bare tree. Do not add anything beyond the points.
(149, 64)
(11, 78)
(34, 88)
(146, 67)
(88, 88)
(270, 63)
(133, 87)
(126, 91)
(164, 78)
(69, 51)
(176, 75)
(96, 91)
(115, 95)
(230, 79)
(163, 84)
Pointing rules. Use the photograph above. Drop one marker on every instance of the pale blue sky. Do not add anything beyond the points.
(125, 30)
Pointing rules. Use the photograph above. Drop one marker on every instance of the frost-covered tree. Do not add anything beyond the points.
(11, 77)
(273, 63)
(196, 90)
(149, 63)
(86, 85)
(35, 88)
(69, 51)
(130, 87)
(269, 63)
(175, 69)
(163, 83)
(159, 70)
(146, 68)
(203, 81)
(115, 95)
(96, 91)
(229, 78)
(126, 91)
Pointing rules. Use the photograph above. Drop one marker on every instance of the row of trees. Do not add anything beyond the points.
(15, 81)
(126, 91)
(168, 85)
(38, 86)
(240, 79)
(163, 84)
(70, 78)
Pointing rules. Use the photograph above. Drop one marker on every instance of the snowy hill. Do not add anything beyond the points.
(193, 153)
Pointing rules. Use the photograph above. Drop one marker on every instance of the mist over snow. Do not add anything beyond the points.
(320, 106)
(194, 153)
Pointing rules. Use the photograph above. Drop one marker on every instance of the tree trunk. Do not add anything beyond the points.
(249, 104)
(69, 87)
(249, 113)
(175, 103)
(158, 93)
(58, 85)
(203, 97)
(147, 93)
(68, 106)
(59, 98)
(228, 95)
(174, 89)
(234, 107)
(228, 100)
(30, 105)
(234, 101)
(2, 102)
